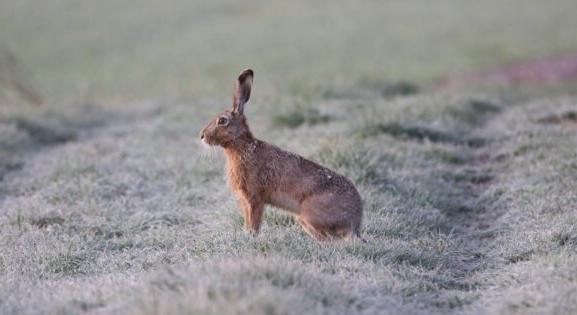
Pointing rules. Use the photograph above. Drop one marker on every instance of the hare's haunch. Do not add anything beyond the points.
(326, 204)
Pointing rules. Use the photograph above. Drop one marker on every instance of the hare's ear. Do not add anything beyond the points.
(242, 91)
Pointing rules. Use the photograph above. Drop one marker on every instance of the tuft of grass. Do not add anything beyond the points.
(389, 89)
(401, 88)
(475, 111)
(297, 118)
(449, 156)
(278, 218)
(47, 221)
(570, 116)
(66, 263)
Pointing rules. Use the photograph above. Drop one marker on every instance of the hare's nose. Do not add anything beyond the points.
(201, 135)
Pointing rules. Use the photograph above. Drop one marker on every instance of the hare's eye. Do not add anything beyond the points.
(222, 121)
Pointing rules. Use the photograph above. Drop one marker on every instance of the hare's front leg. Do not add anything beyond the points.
(252, 209)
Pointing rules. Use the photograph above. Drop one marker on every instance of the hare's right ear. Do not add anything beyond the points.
(242, 91)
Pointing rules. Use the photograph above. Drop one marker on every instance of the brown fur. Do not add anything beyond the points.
(326, 204)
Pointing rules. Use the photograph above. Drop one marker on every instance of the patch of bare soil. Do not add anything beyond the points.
(546, 70)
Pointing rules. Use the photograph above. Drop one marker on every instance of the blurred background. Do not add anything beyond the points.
(67, 51)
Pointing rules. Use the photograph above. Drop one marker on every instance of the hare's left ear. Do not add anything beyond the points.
(242, 91)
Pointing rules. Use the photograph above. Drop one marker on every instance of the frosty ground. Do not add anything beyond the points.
(109, 203)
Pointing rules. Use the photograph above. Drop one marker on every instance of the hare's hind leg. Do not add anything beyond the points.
(326, 218)
(311, 230)
(323, 232)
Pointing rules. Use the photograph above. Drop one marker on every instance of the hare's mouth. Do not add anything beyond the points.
(207, 141)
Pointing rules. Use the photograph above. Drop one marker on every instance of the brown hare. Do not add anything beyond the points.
(326, 204)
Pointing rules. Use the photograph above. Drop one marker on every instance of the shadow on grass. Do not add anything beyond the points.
(422, 133)
(26, 134)
(475, 112)
(297, 118)
(568, 118)
(45, 132)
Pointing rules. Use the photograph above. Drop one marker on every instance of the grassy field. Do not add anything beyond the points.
(110, 205)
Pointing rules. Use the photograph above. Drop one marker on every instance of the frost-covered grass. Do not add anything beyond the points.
(470, 197)
(131, 215)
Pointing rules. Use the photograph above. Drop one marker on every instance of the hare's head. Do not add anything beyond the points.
(231, 124)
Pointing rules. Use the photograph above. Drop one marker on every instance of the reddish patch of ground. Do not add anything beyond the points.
(542, 71)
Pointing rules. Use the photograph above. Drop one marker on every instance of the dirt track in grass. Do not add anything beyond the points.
(547, 70)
